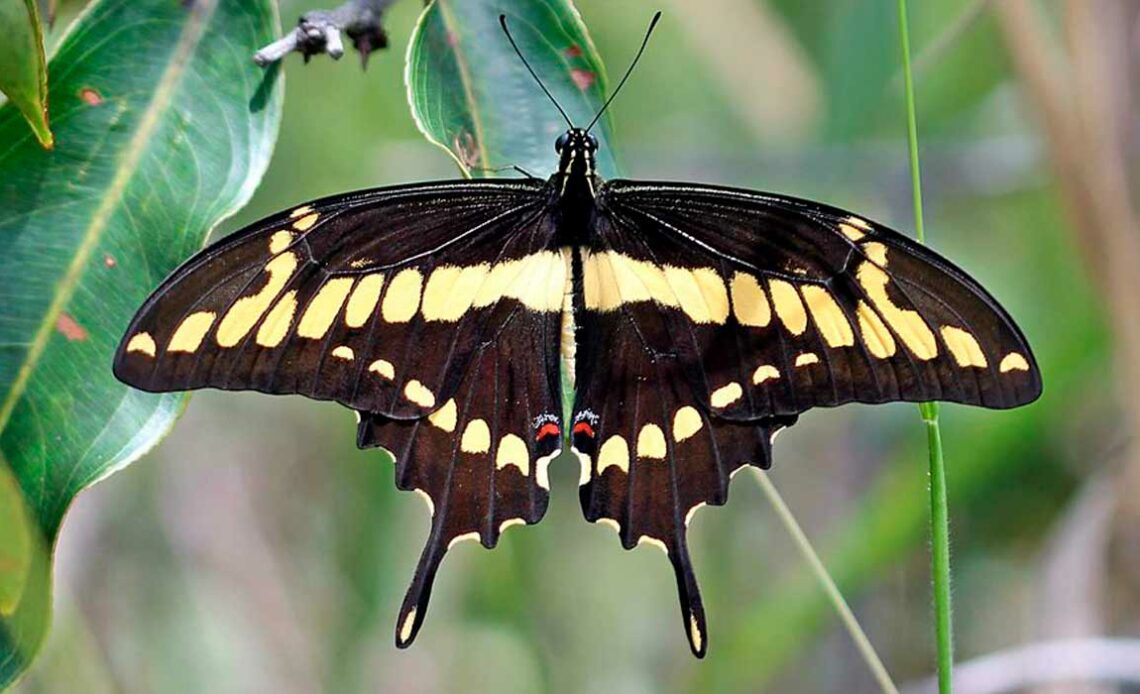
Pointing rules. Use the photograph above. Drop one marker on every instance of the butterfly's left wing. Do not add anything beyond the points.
(710, 317)
(432, 309)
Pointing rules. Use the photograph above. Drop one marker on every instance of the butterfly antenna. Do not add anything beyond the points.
(503, 23)
(628, 72)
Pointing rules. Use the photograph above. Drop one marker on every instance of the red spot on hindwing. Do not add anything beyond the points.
(584, 428)
(574, 51)
(548, 429)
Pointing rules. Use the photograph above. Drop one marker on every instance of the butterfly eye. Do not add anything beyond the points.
(561, 142)
(593, 143)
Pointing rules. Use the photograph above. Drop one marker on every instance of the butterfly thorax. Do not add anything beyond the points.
(575, 184)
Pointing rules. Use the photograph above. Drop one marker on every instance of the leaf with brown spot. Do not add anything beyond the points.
(67, 327)
(147, 160)
(468, 89)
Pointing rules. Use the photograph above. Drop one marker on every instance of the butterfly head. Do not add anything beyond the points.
(576, 149)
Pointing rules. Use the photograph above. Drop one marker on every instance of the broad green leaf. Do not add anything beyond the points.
(471, 95)
(23, 70)
(164, 126)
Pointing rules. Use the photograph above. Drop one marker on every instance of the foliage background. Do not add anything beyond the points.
(258, 549)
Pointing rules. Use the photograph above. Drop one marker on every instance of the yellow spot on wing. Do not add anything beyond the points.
(829, 318)
(651, 442)
(764, 372)
(877, 252)
(851, 232)
(788, 306)
(512, 451)
(686, 422)
(301, 211)
(859, 222)
(305, 222)
(807, 359)
(363, 300)
(726, 395)
(715, 295)
(407, 626)
(615, 451)
(191, 331)
(700, 293)
(610, 523)
(695, 632)
(613, 279)
(537, 281)
(246, 311)
(324, 308)
(466, 537)
(652, 542)
(403, 297)
(541, 469)
(964, 346)
(427, 500)
(876, 336)
(749, 302)
(419, 394)
(142, 342)
(510, 522)
(280, 241)
(450, 290)
(476, 437)
(276, 325)
(913, 331)
(344, 352)
(1013, 362)
(692, 512)
(384, 368)
(445, 417)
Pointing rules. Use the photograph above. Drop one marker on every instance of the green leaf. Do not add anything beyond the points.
(23, 70)
(164, 127)
(471, 95)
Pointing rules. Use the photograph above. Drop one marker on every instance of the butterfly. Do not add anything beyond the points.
(692, 323)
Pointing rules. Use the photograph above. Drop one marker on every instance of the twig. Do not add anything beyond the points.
(939, 505)
(319, 31)
(803, 544)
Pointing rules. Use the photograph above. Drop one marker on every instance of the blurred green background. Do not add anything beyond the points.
(256, 549)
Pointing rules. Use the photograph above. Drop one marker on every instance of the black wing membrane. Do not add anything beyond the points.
(775, 305)
(433, 310)
(709, 318)
(481, 462)
(329, 299)
(650, 458)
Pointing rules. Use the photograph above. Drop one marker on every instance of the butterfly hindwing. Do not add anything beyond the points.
(777, 305)
(651, 455)
(481, 460)
(376, 300)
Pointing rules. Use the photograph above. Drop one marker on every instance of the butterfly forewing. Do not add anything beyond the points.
(434, 311)
(376, 300)
(775, 305)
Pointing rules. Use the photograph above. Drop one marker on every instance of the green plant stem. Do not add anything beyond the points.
(939, 515)
(803, 544)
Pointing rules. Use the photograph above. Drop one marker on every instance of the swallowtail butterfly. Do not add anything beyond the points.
(694, 321)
